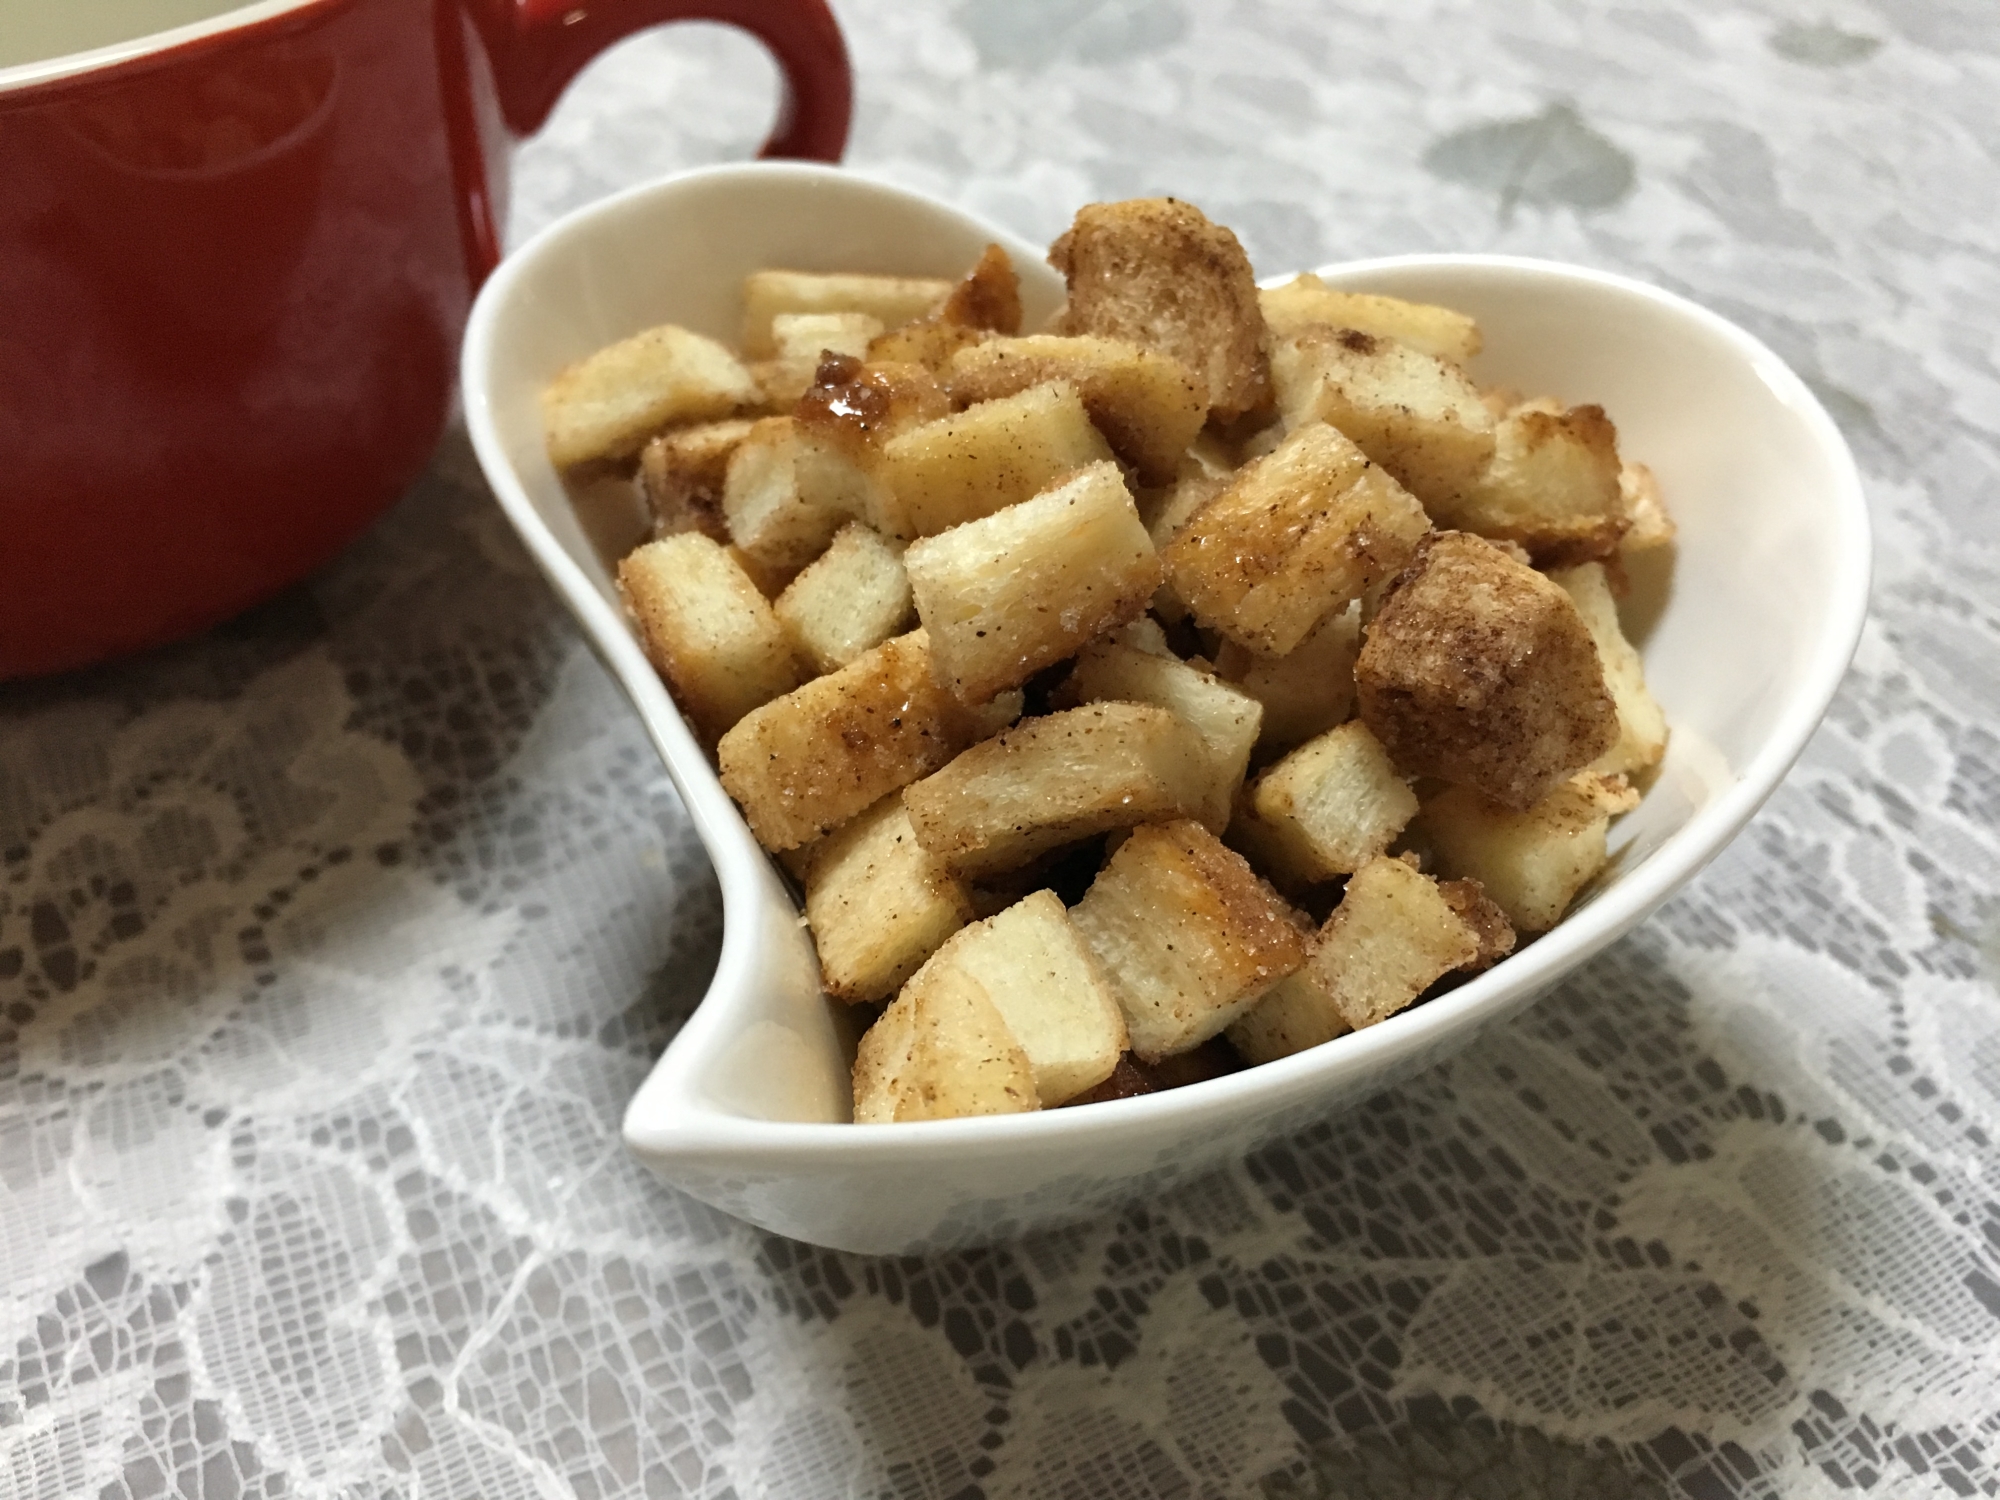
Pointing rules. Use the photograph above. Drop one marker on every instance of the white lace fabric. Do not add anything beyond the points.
(332, 944)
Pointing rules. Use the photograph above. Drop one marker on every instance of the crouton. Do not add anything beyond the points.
(682, 473)
(1645, 508)
(1047, 989)
(1642, 727)
(1331, 805)
(1189, 936)
(606, 405)
(1479, 670)
(1295, 537)
(1148, 406)
(774, 510)
(1552, 487)
(878, 904)
(891, 300)
(1053, 780)
(805, 763)
(851, 599)
(1307, 302)
(706, 629)
(1530, 862)
(965, 467)
(988, 297)
(1156, 272)
(1227, 719)
(802, 339)
(1417, 416)
(1016, 591)
(1392, 937)
(1306, 691)
(941, 1051)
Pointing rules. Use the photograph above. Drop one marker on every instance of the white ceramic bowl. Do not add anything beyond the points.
(748, 1107)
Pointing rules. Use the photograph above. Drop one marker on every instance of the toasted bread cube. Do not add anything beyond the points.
(1392, 937)
(1047, 988)
(1414, 414)
(706, 629)
(988, 296)
(878, 904)
(1645, 510)
(1479, 670)
(1189, 935)
(930, 342)
(610, 510)
(802, 339)
(1005, 596)
(682, 474)
(850, 599)
(1148, 405)
(888, 299)
(1053, 780)
(941, 1051)
(1489, 924)
(607, 404)
(1552, 486)
(1642, 728)
(1306, 691)
(1295, 537)
(805, 763)
(772, 515)
(1531, 863)
(986, 458)
(1204, 472)
(1114, 670)
(1156, 272)
(1306, 301)
(1332, 805)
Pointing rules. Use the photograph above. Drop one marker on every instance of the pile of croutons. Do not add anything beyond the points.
(1210, 675)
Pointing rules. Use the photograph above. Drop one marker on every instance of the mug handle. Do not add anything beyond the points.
(536, 47)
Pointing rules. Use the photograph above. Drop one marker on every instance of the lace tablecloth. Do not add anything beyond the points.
(332, 944)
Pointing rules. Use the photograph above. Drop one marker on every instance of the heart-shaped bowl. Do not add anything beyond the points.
(1749, 632)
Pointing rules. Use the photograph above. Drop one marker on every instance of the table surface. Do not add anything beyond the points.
(332, 944)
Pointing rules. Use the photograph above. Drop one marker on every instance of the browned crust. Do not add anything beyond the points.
(1158, 272)
(989, 297)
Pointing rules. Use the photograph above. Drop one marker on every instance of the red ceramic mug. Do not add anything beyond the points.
(235, 259)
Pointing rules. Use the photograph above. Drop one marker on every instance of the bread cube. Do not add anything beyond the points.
(605, 406)
(805, 763)
(773, 515)
(1307, 302)
(1047, 989)
(1148, 406)
(1005, 596)
(1306, 691)
(890, 300)
(1053, 780)
(1416, 415)
(1488, 923)
(1295, 537)
(1391, 938)
(1156, 272)
(1479, 670)
(850, 599)
(1642, 728)
(1552, 486)
(706, 630)
(1332, 805)
(1227, 719)
(988, 297)
(1189, 935)
(682, 474)
(878, 904)
(1648, 524)
(801, 340)
(990, 456)
(610, 510)
(1530, 863)
(940, 1051)
(1204, 472)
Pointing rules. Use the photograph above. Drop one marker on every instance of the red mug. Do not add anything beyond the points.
(235, 260)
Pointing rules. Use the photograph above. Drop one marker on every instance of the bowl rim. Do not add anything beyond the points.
(684, 1128)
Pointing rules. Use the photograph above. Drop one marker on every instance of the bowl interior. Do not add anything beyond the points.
(1744, 635)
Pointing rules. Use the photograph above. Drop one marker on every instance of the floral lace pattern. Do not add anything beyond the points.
(331, 945)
